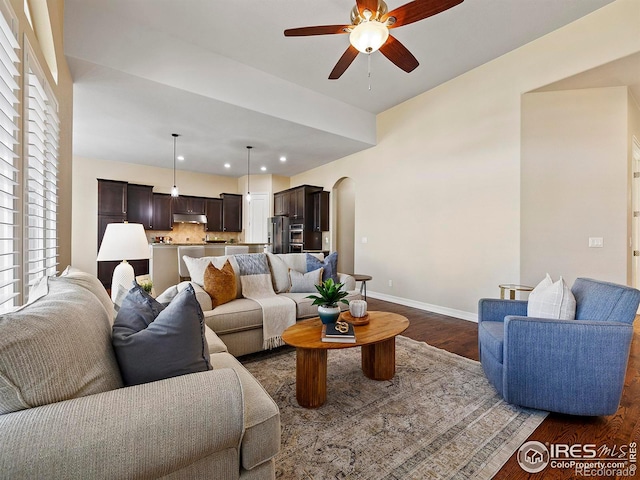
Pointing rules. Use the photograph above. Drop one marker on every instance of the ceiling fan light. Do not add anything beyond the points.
(367, 37)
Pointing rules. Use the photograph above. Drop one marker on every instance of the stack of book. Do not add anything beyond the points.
(332, 334)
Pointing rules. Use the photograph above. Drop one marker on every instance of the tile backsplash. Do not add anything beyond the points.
(192, 233)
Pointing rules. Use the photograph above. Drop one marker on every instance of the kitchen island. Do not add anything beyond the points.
(163, 260)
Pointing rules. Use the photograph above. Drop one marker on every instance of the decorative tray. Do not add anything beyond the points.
(347, 317)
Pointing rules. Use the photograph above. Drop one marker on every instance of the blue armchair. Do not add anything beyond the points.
(568, 366)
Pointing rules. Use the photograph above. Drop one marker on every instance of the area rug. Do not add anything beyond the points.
(438, 418)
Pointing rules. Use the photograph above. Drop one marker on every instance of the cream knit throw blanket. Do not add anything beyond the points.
(278, 312)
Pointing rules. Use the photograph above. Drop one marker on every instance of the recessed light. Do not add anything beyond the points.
(283, 159)
(264, 169)
(227, 165)
(180, 157)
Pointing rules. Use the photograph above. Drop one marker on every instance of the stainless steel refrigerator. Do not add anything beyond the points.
(279, 234)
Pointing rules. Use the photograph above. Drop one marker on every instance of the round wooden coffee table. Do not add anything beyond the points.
(378, 342)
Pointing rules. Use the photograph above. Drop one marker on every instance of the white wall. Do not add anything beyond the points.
(342, 200)
(575, 184)
(634, 131)
(84, 235)
(439, 196)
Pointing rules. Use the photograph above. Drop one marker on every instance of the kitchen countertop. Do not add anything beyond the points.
(155, 244)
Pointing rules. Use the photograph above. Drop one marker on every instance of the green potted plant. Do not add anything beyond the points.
(329, 294)
(147, 286)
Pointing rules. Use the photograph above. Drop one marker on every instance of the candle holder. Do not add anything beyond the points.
(357, 314)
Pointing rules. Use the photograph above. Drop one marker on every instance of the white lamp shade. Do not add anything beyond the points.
(368, 37)
(124, 241)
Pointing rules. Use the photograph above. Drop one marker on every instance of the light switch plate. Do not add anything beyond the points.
(596, 242)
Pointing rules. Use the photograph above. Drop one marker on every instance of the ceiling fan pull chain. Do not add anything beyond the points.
(369, 69)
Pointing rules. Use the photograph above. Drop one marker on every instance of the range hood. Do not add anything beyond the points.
(189, 218)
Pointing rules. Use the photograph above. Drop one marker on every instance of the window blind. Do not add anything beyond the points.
(41, 195)
(9, 105)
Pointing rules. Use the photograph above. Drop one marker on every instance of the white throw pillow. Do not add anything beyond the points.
(552, 300)
(196, 267)
(305, 282)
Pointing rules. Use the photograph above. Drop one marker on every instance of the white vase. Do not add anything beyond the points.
(358, 308)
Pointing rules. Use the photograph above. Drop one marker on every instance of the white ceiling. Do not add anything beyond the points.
(222, 74)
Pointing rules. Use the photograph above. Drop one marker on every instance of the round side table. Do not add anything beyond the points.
(364, 279)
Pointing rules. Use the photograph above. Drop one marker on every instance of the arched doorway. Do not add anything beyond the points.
(343, 208)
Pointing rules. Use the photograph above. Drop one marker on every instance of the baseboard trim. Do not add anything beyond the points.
(450, 312)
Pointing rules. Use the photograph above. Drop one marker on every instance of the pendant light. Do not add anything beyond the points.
(174, 189)
(249, 147)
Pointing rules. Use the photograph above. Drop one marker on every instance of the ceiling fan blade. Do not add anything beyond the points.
(345, 60)
(398, 54)
(318, 30)
(371, 5)
(418, 10)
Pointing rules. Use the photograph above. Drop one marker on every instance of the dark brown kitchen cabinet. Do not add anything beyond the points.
(281, 203)
(105, 269)
(313, 240)
(321, 211)
(140, 267)
(214, 214)
(231, 212)
(112, 197)
(162, 218)
(198, 205)
(113, 208)
(297, 203)
(308, 206)
(185, 204)
(140, 204)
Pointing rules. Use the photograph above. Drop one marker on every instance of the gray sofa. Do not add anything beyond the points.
(239, 322)
(65, 414)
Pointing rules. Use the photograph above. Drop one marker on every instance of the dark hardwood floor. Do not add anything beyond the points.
(461, 337)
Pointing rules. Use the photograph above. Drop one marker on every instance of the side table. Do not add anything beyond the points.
(513, 289)
(364, 279)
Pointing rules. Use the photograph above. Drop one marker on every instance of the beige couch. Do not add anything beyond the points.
(239, 322)
(65, 414)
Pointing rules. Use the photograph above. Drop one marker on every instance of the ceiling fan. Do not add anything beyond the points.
(369, 30)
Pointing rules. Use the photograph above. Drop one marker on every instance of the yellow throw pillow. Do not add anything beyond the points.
(220, 284)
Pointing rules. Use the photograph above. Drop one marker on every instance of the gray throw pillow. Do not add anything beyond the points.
(55, 348)
(305, 282)
(153, 342)
(330, 266)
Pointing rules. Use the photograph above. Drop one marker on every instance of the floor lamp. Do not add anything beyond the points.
(123, 241)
